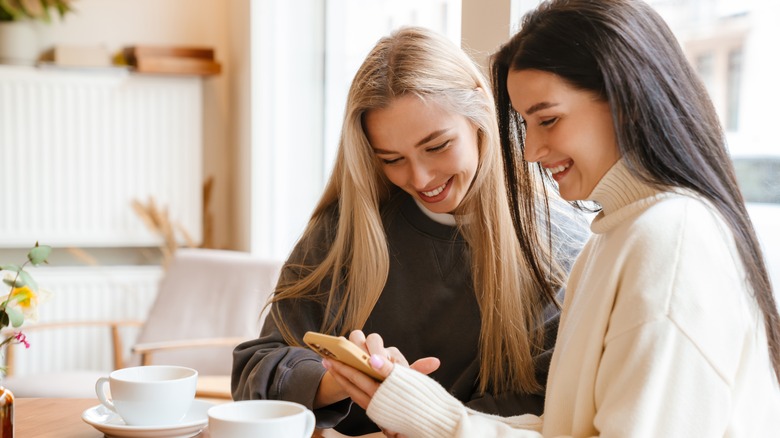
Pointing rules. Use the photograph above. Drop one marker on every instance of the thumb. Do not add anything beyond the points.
(426, 365)
(381, 364)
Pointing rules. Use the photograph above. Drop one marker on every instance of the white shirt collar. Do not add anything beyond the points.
(442, 218)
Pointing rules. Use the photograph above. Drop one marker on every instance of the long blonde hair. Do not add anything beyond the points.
(509, 283)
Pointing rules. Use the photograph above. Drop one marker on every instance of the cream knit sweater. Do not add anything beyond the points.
(659, 337)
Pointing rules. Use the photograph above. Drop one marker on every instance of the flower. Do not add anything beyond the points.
(21, 302)
(15, 10)
(22, 339)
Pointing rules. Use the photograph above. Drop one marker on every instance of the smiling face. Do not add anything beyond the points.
(427, 151)
(568, 131)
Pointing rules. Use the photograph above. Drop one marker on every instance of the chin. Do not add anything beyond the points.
(568, 196)
(440, 208)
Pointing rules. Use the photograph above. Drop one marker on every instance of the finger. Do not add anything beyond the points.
(359, 386)
(381, 365)
(357, 337)
(396, 357)
(388, 433)
(375, 344)
(426, 365)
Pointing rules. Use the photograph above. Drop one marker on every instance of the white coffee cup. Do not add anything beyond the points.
(260, 418)
(152, 395)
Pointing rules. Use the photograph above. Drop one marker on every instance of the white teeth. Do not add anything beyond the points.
(435, 191)
(558, 169)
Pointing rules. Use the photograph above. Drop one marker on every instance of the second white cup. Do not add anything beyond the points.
(153, 395)
(260, 418)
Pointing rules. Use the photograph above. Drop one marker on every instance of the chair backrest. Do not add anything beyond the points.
(209, 293)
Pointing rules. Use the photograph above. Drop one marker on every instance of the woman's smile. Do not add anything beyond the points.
(436, 194)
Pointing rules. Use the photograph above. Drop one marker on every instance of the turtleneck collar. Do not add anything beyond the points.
(618, 188)
(621, 194)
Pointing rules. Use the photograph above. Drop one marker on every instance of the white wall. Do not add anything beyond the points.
(118, 23)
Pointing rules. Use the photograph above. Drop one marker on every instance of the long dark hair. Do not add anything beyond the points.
(667, 129)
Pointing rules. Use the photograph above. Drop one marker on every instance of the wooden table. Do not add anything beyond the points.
(53, 418)
(61, 418)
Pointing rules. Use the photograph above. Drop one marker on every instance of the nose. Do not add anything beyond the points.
(420, 175)
(533, 149)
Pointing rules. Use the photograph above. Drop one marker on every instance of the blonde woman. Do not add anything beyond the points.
(413, 238)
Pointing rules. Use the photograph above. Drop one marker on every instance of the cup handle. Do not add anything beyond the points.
(310, 422)
(100, 390)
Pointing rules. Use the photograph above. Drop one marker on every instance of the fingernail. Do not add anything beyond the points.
(376, 361)
(326, 364)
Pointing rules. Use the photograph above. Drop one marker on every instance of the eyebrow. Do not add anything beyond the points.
(430, 137)
(539, 106)
(424, 140)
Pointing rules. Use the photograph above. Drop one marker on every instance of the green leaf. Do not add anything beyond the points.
(63, 7)
(16, 317)
(4, 321)
(13, 10)
(27, 278)
(14, 268)
(19, 282)
(39, 254)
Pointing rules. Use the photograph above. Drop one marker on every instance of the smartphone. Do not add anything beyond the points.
(342, 350)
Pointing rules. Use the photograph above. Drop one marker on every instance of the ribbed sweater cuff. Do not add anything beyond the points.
(415, 405)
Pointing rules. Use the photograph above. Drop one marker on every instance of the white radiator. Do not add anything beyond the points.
(76, 148)
(90, 294)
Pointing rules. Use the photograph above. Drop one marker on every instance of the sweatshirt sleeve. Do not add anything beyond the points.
(269, 368)
(415, 405)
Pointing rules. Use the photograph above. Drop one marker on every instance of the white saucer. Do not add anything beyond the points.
(112, 425)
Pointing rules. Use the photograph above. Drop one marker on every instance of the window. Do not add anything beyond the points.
(705, 66)
(759, 178)
(299, 89)
(733, 86)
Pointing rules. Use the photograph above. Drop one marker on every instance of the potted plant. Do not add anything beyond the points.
(20, 303)
(18, 39)
(15, 10)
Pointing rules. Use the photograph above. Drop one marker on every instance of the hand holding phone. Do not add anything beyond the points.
(342, 350)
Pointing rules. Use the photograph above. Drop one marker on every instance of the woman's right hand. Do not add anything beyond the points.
(361, 387)
(332, 391)
(329, 391)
